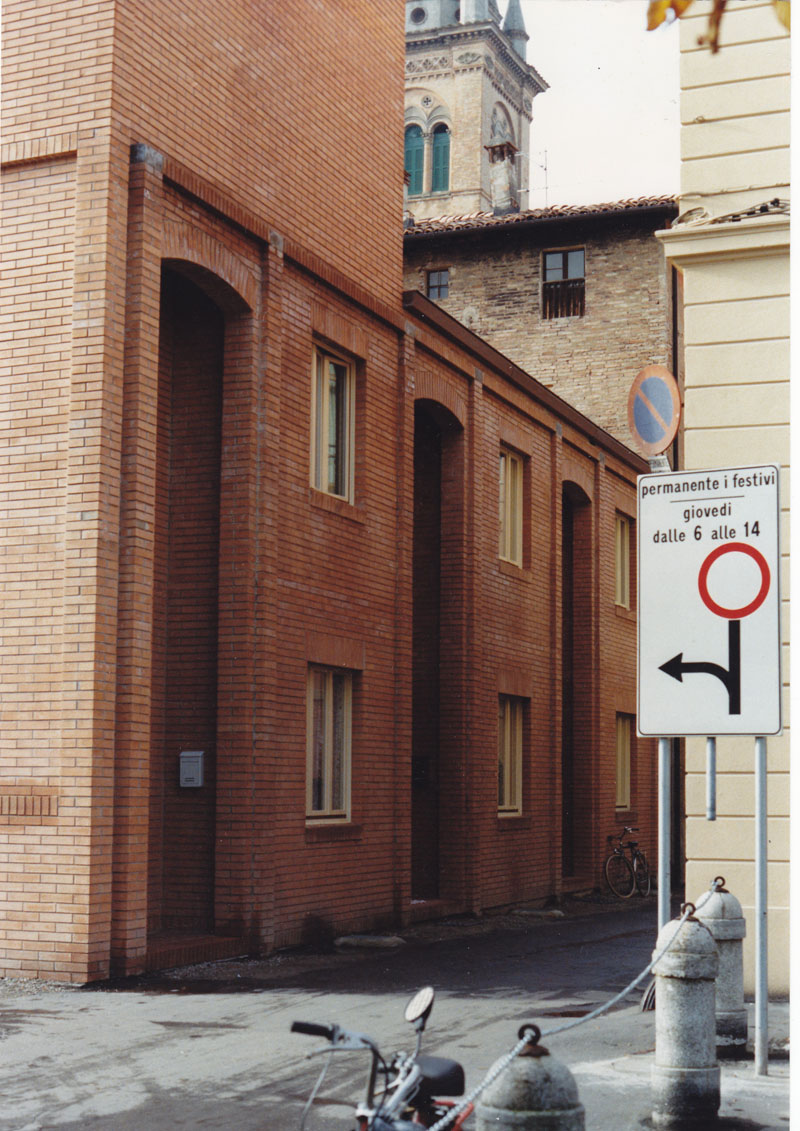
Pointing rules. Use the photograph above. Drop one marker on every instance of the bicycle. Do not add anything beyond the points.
(623, 875)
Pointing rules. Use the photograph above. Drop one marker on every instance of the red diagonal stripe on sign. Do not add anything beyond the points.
(654, 411)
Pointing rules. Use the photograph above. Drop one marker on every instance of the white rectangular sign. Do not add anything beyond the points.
(709, 602)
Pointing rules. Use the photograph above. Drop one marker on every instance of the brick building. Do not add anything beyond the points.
(579, 296)
(318, 610)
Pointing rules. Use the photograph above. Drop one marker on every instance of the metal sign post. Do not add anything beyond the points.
(761, 1040)
(654, 414)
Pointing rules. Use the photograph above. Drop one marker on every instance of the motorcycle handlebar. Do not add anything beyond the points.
(312, 1029)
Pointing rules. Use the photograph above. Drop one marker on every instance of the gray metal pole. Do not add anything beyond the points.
(711, 779)
(664, 830)
(761, 1034)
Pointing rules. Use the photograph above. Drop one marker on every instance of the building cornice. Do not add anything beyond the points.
(469, 35)
(742, 239)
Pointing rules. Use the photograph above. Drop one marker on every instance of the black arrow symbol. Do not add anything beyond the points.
(731, 677)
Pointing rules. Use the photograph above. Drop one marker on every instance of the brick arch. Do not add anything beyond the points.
(574, 472)
(184, 244)
(430, 387)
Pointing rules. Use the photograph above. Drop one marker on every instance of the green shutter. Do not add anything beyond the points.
(414, 157)
(441, 159)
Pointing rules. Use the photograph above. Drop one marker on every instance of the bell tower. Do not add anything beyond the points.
(469, 102)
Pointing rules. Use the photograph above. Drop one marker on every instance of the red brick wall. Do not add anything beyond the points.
(98, 518)
(190, 433)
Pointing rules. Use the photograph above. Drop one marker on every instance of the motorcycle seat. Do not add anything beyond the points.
(442, 1077)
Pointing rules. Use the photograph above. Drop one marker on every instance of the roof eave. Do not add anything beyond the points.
(451, 328)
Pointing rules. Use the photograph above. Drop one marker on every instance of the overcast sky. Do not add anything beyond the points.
(609, 122)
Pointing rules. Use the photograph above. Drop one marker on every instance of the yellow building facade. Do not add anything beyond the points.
(731, 247)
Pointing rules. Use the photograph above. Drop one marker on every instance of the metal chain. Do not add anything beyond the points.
(688, 909)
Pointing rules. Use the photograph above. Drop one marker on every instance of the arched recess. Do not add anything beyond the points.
(225, 277)
(204, 461)
(502, 128)
(577, 680)
(438, 731)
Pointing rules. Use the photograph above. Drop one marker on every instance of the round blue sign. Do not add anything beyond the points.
(654, 409)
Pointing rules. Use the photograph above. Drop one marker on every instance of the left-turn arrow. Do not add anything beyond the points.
(730, 677)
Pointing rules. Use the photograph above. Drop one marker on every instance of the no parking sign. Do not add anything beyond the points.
(709, 602)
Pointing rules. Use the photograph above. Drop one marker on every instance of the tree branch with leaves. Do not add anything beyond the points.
(659, 10)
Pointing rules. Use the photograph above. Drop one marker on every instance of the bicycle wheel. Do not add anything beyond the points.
(619, 875)
(641, 872)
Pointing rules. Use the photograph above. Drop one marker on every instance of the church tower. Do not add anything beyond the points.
(469, 101)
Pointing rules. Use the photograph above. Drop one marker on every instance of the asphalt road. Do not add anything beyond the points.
(210, 1047)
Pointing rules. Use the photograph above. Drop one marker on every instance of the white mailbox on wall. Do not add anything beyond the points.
(191, 768)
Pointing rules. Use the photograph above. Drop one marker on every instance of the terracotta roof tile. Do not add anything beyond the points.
(477, 220)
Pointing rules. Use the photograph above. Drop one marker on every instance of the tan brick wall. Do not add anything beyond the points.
(495, 289)
(38, 204)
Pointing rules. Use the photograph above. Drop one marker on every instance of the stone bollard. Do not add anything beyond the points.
(685, 1076)
(534, 1091)
(722, 914)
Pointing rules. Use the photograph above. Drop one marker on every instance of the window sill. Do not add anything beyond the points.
(323, 832)
(434, 194)
(511, 569)
(508, 822)
(625, 614)
(334, 505)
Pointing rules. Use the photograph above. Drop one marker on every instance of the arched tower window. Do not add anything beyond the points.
(440, 177)
(414, 158)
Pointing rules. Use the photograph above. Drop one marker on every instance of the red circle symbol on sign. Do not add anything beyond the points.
(758, 600)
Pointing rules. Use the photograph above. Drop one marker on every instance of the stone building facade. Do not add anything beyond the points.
(578, 296)
(597, 331)
(468, 106)
(315, 616)
(731, 247)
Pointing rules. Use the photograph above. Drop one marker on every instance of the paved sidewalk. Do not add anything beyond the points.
(210, 1047)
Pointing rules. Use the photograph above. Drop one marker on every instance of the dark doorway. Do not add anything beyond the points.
(576, 779)
(426, 691)
(182, 828)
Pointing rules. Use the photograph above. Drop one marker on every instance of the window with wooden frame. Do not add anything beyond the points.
(332, 420)
(563, 283)
(509, 755)
(438, 283)
(510, 506)
(328, 743)
(624, 738)
(622, 560)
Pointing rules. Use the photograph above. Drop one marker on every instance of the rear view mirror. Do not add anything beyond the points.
(420, 1006)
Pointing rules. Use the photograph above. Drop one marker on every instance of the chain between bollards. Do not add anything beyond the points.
(532, 1031)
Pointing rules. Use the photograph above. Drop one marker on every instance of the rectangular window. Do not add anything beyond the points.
(624, 732)
(329, 717)
(438, 285)
(510, 506)
(622, 561)
(563, 288)
(509, 755)
(332, 425)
